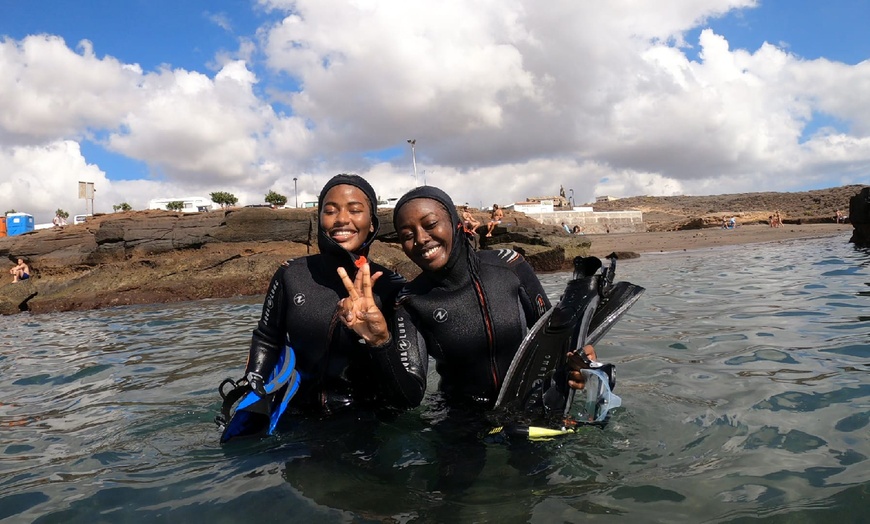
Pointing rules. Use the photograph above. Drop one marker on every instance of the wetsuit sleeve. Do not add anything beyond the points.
(403, 362)
(532, 295)
(269, 337)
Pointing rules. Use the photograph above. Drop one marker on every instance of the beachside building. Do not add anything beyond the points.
(191, 204)
(546, 212)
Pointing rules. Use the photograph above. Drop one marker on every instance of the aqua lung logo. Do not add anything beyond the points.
(542, 307)
(440, 315)
(299, 299)
(270, 301)
(404, 344)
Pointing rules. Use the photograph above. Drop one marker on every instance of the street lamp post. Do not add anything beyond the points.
(413, 142)
(571, 192)
(295, 193)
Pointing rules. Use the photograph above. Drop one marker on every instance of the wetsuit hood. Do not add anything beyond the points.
(325, 243)
(459, 251)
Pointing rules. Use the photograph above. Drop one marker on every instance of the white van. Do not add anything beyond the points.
(80, 219)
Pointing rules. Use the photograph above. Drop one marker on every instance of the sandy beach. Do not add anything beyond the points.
(660, 242)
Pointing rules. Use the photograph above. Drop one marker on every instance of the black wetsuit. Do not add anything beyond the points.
(472, 322)
(337, 369)
(470, 315)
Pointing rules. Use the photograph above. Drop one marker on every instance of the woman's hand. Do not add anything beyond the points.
(359, 311)
(576, 362)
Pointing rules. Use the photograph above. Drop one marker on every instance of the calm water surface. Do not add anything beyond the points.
(743, 373)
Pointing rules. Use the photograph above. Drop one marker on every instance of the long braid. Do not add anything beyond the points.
(482, 299)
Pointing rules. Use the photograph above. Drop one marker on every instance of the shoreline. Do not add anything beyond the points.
(697, 239)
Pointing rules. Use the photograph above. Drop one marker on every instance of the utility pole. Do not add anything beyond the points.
(413, 142)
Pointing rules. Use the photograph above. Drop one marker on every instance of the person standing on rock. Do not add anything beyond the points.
(338, 370)
(20, 272)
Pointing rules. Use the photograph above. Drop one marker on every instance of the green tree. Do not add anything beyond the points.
(223, 199)
(276, 199)
(61, 213)
(123, 206)
(11, 211)
(175, 205)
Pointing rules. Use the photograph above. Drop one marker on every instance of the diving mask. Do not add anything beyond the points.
(597, 395)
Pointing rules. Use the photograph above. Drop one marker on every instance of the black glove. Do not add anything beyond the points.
(261, 362)
(256, 382)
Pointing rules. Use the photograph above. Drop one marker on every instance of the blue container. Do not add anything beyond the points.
(18, 223)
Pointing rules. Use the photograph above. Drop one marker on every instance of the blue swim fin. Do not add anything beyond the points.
(246, 414)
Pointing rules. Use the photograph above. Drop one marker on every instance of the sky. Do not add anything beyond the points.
(506, 99)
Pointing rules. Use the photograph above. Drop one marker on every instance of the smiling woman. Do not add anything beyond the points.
(338, 372)
(346, 216)
(426, 233)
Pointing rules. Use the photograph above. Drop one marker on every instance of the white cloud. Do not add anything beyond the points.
(48, 91)
(44, 178)
(507, 99)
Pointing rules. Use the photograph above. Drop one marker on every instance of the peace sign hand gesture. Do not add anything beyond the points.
(359, 311)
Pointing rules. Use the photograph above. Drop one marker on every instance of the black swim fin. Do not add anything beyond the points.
(536, 384)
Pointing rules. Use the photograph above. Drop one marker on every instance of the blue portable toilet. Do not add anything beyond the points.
(18, 223)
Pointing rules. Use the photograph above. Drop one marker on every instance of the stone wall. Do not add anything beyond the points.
(593, 222)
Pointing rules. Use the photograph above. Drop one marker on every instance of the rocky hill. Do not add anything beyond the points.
(693, 212)
(161, 256)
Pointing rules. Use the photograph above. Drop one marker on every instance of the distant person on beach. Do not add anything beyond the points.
(777, 219)
(839, 216)
(770, 220)
(58, 221)
(495, 219)
(470, 224)
(566, 228)
(468, 221)
(577, 230)
(20, 272)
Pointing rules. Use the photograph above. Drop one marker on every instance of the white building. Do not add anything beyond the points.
(191, 204)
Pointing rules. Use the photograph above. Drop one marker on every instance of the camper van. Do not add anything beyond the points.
(191, 204)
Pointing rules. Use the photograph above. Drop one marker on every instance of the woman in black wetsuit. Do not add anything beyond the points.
(337, 369)
(469, 310)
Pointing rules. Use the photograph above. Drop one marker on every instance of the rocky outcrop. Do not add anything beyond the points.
(161, 256)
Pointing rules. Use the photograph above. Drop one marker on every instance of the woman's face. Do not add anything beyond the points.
(425, 232)
(346, 216)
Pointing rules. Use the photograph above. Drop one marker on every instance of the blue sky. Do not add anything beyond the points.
(835, 30)
(241, 96)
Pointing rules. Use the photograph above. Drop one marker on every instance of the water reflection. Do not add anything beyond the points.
(743, 376)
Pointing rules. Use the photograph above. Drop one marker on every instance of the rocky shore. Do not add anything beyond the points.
(159, 256)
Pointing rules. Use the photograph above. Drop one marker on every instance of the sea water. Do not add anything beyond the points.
(743, 373)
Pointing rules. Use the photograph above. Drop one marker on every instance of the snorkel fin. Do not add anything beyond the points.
(535, 388)
(244, 413)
